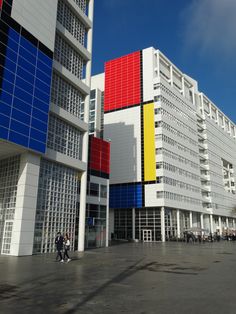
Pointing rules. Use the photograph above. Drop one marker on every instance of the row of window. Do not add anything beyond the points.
(180, 171)
(68, 57)
(64, 138)
(170, 154)
(178, 197)
(166, 126)
(66, 95)
(179, 184)
(94, 189)
(176, 144)
(70, 21)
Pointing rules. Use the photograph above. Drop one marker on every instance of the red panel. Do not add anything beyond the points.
(99, 155)
(122, 82)
(1, 1)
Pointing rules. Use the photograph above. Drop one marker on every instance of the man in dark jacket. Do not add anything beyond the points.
(59, 245)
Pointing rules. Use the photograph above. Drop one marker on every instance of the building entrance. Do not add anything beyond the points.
(147, 235)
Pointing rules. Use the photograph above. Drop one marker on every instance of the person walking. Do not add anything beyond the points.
(66, 247)
(59, 246)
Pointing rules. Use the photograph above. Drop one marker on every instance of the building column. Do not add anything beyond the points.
(220, 226)
(190, 219)
(26, 201)
(163, 233)
(227, 222)
(133, 223)
(211, 224)
(201, 221)
(83, 182)
(107, 218)
(233, 223)
(178, 224)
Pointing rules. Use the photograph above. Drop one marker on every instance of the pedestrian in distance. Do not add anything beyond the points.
(59, 245)
(66, 247)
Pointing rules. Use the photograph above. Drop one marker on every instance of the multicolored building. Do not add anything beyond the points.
(172, 152)
(45, 68)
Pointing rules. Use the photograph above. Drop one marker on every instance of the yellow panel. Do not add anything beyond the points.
(149, 143)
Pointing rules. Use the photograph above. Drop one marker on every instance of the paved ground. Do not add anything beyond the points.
(129, 278)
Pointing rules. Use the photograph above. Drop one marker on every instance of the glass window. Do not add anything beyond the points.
(103, 192)
(94, 189)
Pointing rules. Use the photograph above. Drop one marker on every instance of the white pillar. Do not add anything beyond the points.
(133, 223)
(83, 182)
(107, 216)
(201, 221)
(190, 219)
(178, 224)
(26, 202)
(233, 223)
(211, 224)
(220, 226)
(227, 222)
(163, 233)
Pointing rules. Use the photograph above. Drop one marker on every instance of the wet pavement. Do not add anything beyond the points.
(140, 278)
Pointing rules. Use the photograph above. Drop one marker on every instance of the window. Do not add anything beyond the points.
(94, 189)
(103, 192)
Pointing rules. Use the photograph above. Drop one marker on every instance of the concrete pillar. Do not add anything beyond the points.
(211, 224)
(163, 233)
(220, 226)
(107, 218)
(83, 182)
(190, 219)
(233, 223)
(26, 202)
(178, 224)
(201, 221)
(133, 223)
(227, 222)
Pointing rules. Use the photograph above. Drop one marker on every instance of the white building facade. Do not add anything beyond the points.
(172, 151)
(45, 54)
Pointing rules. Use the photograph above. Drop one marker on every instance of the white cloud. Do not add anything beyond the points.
(210, 26)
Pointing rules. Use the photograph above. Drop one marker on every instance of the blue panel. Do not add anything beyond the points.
(9, 65)
(4, 120)
(42, 66)
(11, 54)
(27, 55)
(42, 96)
(19, 127)
(43, 77)
(5, 97)
(21, 105)
(40, 115)
(27, 45)
(18, 138)
(40, 147)
(41, 105)
(35, 123)
(13, 35)
(45, 58)
(21, 116)
(8, 87)
(26, 65)
(24, 85)
(37, 135)
(9, 76)
(19, 93)
(3, 133)
(42, 86)
(25, 74)
(126, 196)
(12, 44)
(5, 109)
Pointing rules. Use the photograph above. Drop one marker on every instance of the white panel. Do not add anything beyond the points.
(148, 60)
(38, 18)
(97, 81)
(123, 129)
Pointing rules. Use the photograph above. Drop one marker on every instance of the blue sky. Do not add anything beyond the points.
(199, 36)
